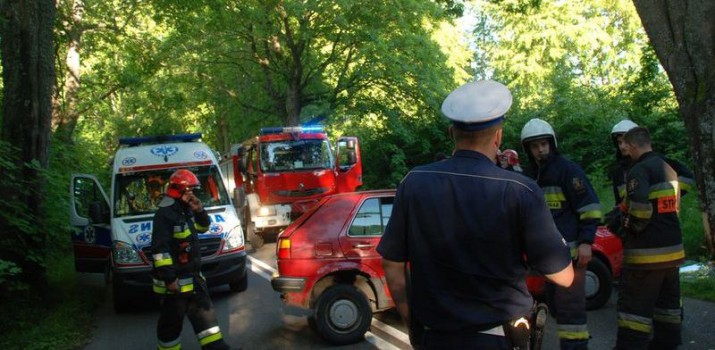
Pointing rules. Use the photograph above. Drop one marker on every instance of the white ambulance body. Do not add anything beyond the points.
(113, 235)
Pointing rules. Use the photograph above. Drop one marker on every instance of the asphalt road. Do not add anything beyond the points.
(257, 319)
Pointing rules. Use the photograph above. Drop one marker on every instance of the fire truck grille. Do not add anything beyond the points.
(208, 246)
(301, 193)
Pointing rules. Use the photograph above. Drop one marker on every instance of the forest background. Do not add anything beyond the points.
(374, 69)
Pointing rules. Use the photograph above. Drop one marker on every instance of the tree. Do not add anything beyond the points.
(683, 36)
(28, 77)
(286, 61)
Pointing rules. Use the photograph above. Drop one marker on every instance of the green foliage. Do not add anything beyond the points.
(17, 225)
(700, 285)
(60, 320)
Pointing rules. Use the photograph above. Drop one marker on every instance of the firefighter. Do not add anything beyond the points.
(649, 299)
(618, 172)
(177, 265)
(463, 226)
(576, 212)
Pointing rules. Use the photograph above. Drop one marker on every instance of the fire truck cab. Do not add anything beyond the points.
(280, 174)
(112, 234)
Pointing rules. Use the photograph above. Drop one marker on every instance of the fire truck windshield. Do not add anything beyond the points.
(140, 193)
(296, 155)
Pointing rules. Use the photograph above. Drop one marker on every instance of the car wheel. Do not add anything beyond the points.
(342, 315)
(599, 284)
(240, 285)
(312, 323)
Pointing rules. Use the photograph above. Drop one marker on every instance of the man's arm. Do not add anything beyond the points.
(563, 278)
(397, 284)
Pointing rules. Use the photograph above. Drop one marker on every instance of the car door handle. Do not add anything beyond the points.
(363, 246)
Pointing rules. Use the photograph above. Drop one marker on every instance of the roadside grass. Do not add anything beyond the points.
(62, 318)
(699, 285)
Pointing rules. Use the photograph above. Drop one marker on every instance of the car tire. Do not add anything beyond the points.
(342, 315)
(240, 285)
(599, 284)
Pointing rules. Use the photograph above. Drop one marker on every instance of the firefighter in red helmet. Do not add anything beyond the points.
(177, 266)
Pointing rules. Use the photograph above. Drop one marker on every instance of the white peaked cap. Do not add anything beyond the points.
(477, 105)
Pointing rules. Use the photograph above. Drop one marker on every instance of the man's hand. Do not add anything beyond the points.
(584, 254)
(195, 204)
(173, 286)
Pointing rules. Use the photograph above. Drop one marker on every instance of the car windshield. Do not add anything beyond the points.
(296, 155)
(140, 192)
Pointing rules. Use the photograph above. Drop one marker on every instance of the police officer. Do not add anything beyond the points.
(649, 299)
(177, 265)
(462, 226)
(576, 212)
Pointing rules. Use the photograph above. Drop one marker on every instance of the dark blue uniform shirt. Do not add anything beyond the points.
(571, 198)
(465, 226)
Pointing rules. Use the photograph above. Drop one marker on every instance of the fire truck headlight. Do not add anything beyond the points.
(124, 253)
(234, 239)
(266, 211)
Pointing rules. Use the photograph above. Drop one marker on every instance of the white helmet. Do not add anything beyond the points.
(622, 127)
(537, 129)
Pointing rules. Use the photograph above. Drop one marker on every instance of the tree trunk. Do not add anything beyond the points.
(66, 118)
(28, 75)
(682, 33)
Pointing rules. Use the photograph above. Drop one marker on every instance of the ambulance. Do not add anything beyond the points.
(112, 233)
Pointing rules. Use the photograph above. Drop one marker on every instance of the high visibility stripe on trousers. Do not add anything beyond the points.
(572, 331)
(170, 345)
(209, 335)
(634, 322)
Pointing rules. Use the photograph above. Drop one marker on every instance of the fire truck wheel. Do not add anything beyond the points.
(599, 284)
(254, 238)
(342, 314)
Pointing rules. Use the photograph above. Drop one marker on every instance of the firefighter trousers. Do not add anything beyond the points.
(198, 307)
(568, 306)
(649, 303)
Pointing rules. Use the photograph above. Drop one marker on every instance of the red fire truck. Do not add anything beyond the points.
(280, 174)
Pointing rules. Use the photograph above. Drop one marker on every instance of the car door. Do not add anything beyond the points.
(360, 239)
(90, 221)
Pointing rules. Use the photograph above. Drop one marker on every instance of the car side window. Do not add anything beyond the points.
(372, 217)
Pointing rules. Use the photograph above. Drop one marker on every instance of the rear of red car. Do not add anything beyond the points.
(327, 261)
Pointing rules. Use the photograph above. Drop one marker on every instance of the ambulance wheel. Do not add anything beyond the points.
(240, 285)
(342, 315)
(120, 299)
(599, 284)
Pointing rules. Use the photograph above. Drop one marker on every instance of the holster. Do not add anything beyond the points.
(541, 313)
(518, 333)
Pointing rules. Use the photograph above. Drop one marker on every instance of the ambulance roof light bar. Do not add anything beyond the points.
(136, 141)
(292, 129)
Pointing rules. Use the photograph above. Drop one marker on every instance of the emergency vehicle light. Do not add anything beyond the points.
(136, 141)
(292, 129)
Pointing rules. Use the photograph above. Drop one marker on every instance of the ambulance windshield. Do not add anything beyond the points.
(140, 192)
(296, 155)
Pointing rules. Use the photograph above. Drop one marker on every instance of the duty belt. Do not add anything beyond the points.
(486, 329)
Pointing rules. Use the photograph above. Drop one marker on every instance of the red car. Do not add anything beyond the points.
(327, 262)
